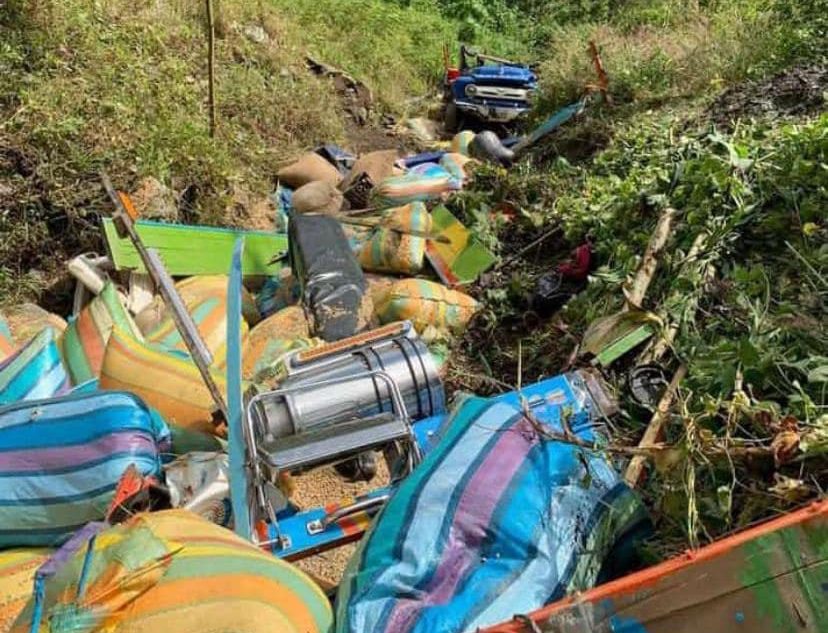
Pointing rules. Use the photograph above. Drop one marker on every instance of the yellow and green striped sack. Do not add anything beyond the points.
(175, 571)
(84, 340)
(17, 570)
(391, 251)
(206, 301)
(168, 382)
(426, 303)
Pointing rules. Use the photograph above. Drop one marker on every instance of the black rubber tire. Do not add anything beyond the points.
(451, 118)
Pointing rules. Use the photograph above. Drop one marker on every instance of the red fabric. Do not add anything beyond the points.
(579, 266)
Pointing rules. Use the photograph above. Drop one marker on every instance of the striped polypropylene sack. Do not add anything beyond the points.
(35, 371)
(495, 521)
(426, 304)
(26, 320)
(460, 142)
(210, 317)
(270, 340)
(174, 571)
(455, 164)
(17, 570)
(168, 382)
(6, 341)
(61, 459)
(83, 343)
(391, 251)
(196, 289)
(424, 182)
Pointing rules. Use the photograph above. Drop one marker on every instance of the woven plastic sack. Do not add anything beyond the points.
(17, 570)
(378, 286)
(174, 571)
(377, 165)
(309, 167)
(318, 197)
(26, 320)
(496, 520)
(387, 250)
(84, 342)
(426, 304)
(196, 289)
(168, 382)
(455, 164)
(34, 371)
(425, 182)
(460, 142)
(272, 338)
(210, 317)
(61, 460)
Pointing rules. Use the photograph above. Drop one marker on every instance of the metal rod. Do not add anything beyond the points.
(166, 288)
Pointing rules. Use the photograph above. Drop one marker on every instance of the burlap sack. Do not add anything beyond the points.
(378, 165)
(317, 197)
(309, 168)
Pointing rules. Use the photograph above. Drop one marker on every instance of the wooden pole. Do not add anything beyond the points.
(211, 67)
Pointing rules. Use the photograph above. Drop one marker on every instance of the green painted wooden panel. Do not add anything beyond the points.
(196, 250)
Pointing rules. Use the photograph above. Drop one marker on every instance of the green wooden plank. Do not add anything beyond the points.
(624, 344)
(196, 250)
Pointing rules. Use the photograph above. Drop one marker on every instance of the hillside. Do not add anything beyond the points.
(718, 111)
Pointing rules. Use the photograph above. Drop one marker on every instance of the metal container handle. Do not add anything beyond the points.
(320, 525)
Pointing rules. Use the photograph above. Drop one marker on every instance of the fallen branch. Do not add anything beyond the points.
(659, 346)
(646, 270)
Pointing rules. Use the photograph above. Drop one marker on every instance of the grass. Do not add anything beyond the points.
(121, 85)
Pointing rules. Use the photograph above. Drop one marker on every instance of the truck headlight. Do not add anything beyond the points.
(471, 90)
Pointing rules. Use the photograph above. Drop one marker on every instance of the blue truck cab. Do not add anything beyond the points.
(487, 89)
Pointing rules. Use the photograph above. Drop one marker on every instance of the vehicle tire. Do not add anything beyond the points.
(451, 118)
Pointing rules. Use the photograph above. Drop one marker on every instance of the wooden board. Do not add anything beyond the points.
(196, 250)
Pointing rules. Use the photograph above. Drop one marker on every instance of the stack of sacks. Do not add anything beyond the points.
(33, 372)
(167, 381)
(84, 341)
(206, 300)
(173, 571)
(17, 571)
(27, 320)
(383, 249)
(426, 304)
(286, 331)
